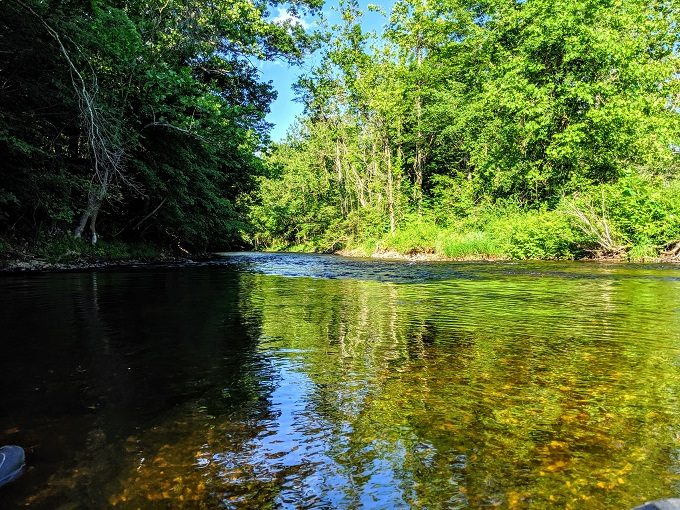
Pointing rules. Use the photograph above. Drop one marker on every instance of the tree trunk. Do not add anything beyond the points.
(78, 232)
(102, 137)
(341, 183)
(418, 160)
(94, 202)
(93, 223)
(390, 187)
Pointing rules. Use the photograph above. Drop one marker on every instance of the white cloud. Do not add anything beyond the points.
(286, 17)
(267, 64)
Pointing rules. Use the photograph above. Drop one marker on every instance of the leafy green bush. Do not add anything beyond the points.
(645, 210)
(641, 212)
(415, 235)
(643, 253)
(452, 198)
(540, 235)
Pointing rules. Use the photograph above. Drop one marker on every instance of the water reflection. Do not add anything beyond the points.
(231, 386)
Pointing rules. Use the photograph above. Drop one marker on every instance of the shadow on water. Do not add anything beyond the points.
(97, 358)
(357, 384)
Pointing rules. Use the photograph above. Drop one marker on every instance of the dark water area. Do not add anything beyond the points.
(299, 381)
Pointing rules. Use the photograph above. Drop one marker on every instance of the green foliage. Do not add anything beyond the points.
(474, 244)
(534, 129)
(490, 234)
(571, 91)
(541, 235)
(292, 208)
(415, 235)
(645, 210)
(66, 248)
(178, 115)
(643, 253)
(638, 212)
(452, 197)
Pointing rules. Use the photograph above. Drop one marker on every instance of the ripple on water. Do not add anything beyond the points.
(297, 381)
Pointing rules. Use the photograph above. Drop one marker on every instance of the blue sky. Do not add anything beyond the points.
(285, 109)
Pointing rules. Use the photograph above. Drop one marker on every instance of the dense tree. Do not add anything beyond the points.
(145, 119)
(566, 93)
(459, 105)
(145, 114)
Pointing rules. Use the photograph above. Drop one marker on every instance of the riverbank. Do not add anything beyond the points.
(440, 245)
(68, 254)
(435, 257)
(636, 219)
(415, 257)
(35, 265)
(509, 233)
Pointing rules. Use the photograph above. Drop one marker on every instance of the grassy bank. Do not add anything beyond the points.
(636, 219)
(66, 252)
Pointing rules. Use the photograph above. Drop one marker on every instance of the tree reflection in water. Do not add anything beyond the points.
(514, 388)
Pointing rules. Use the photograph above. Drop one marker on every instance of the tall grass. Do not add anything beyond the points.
(474, 244)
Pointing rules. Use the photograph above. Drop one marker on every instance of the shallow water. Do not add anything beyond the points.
(298, 381)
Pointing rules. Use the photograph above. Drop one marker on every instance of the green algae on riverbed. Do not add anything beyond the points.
(315, 382)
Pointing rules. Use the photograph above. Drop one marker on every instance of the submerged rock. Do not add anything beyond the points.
(660, 504)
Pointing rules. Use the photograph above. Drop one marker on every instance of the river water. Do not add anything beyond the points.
(300, 381)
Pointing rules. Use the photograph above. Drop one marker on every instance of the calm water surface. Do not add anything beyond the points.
(297, 381)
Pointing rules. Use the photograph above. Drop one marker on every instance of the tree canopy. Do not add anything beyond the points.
(545, 123)
(142, 119)
(459, 105)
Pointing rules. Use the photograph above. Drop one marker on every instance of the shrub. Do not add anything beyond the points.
(541, 235)
(643, 253)
(415, 235)
(646, 210)
(641, 212)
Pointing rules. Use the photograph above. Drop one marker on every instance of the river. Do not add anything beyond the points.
(307, 381)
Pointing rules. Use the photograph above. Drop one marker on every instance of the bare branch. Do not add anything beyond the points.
(103, 138)
(139, 223)
(596, 225)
